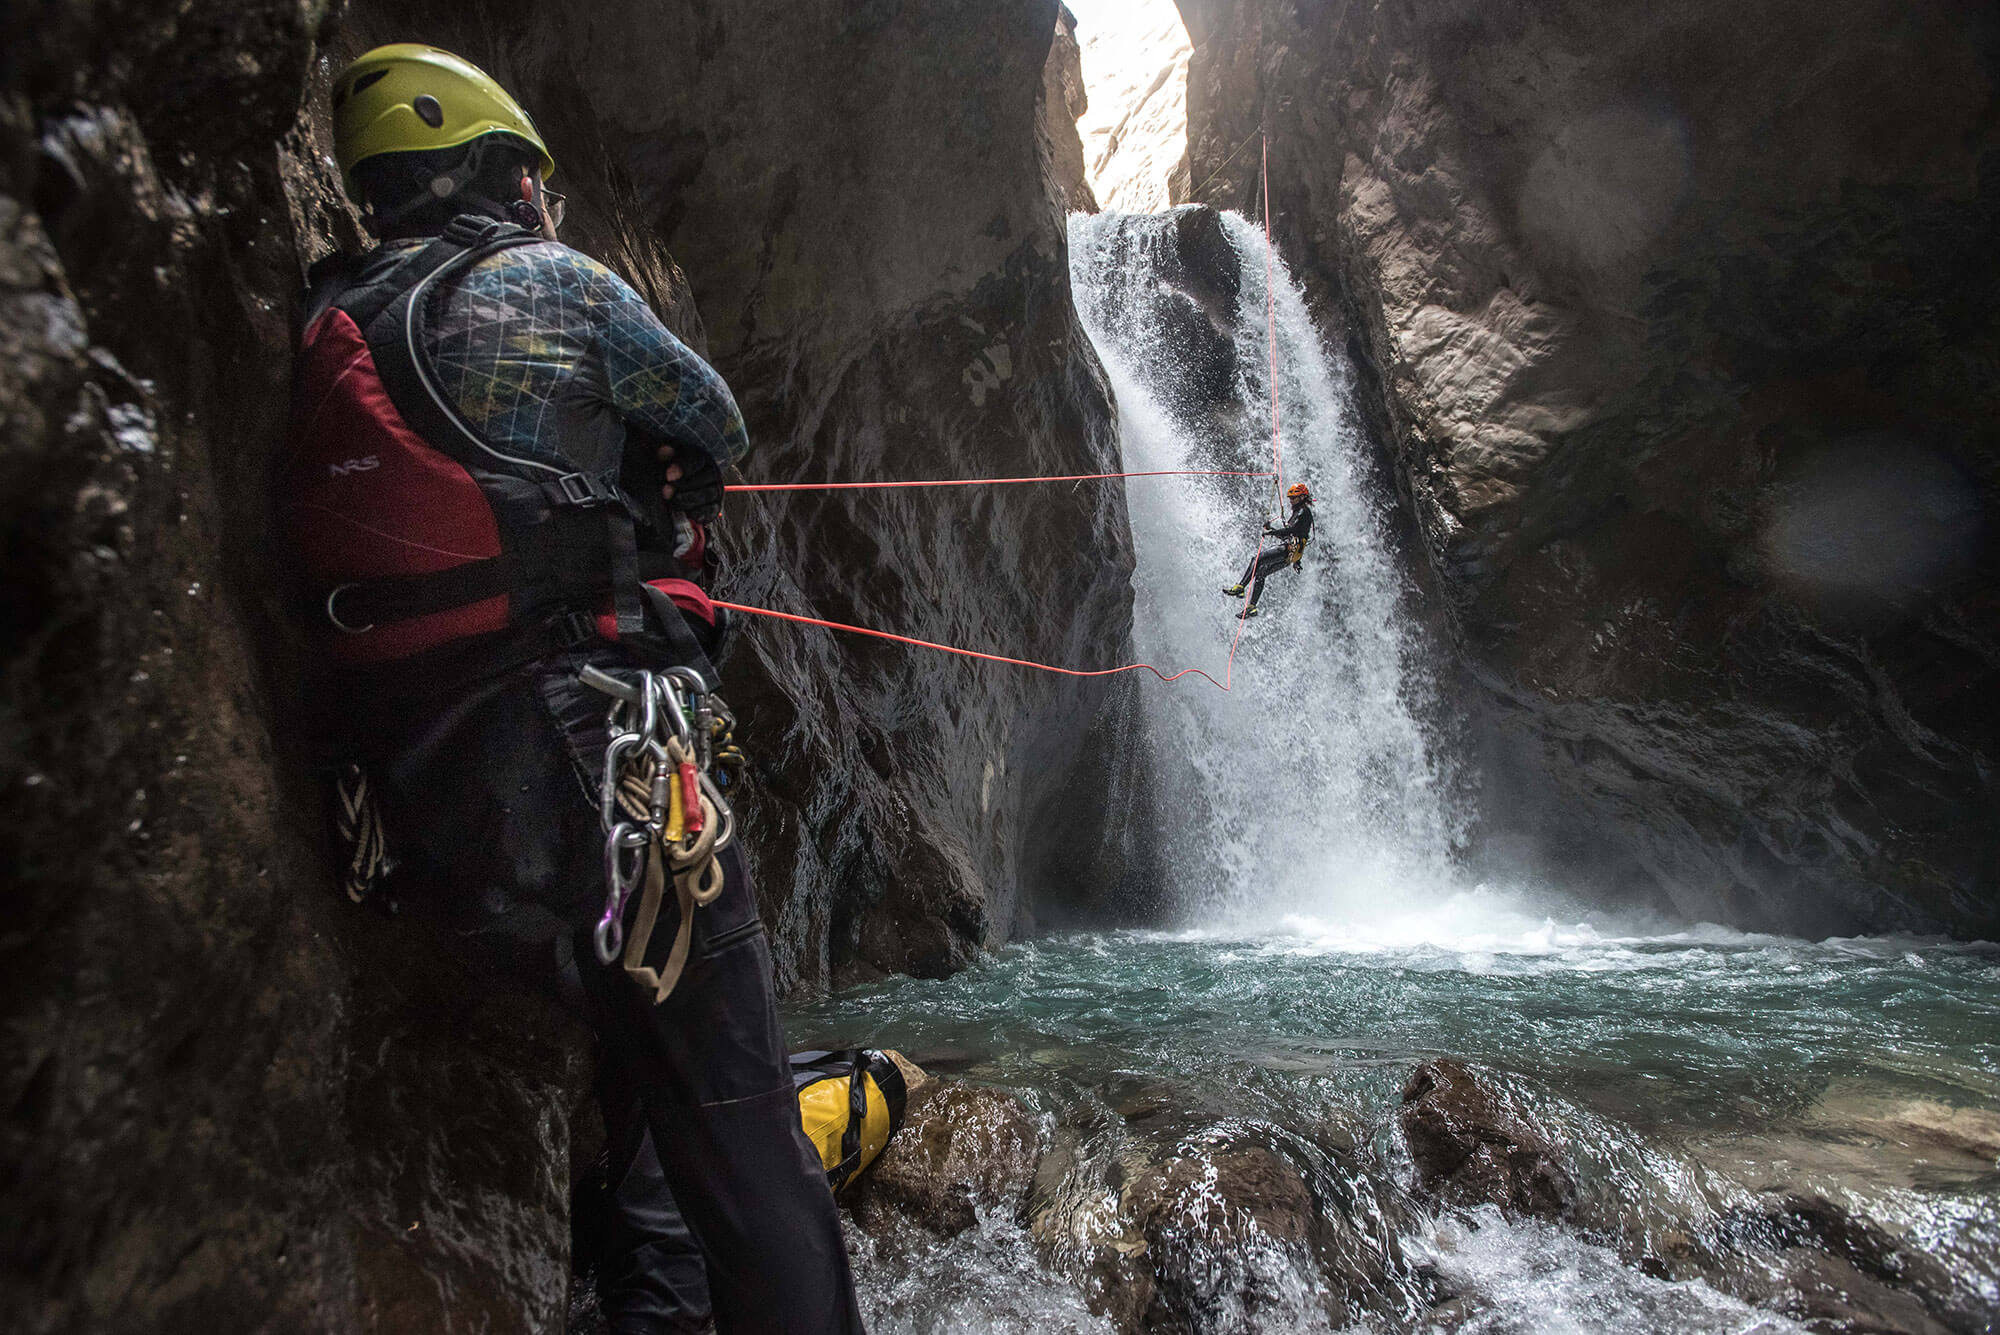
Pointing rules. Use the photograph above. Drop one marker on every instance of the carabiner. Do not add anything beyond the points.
(692, 681)
(614, 753)
(649, 707)
(722, 813)
(624, 839)
(673, 706)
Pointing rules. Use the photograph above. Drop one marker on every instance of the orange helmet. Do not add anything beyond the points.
(1299, 491)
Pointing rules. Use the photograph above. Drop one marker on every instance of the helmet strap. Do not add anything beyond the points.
(451, 185)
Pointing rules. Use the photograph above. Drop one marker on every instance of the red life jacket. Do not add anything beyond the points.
(415, 533)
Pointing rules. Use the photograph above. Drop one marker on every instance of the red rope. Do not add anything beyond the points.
(1228, 673)
(1276, 472)
(1271, 323)
(979, 481)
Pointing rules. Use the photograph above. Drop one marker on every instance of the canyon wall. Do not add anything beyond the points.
(235, 1100)
(1678, 329)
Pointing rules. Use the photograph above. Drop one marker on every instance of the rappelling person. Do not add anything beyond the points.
(1290, 549)
(498, 487)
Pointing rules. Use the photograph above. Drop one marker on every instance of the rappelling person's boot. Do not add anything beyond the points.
(1247, 613)
(1233, 591)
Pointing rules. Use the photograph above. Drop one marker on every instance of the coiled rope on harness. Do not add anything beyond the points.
(357, 821)
(661, 811)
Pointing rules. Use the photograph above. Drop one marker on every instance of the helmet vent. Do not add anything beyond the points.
(427, 107)
(364, 81)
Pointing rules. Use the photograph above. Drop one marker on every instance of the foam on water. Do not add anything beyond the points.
(1531, 1278)
(987, 1280)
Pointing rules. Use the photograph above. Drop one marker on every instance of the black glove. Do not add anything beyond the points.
(698, 494)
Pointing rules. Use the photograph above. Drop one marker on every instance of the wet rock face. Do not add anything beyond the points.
(1472, 1147)
(1838, 1272)
(1191, 312)
(1240, 1235)
(235, 1100)
(963, 1151)
(1678, 325)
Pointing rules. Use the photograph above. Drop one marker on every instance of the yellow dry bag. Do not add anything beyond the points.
(850, 1103)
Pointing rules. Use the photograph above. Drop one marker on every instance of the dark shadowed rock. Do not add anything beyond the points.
(1471, 1146)
(964, 1150)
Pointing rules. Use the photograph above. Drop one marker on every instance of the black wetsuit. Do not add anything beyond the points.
(1269, 560)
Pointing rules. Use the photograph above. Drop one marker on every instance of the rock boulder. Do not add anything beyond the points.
(1471, 1146)
(964, 1150)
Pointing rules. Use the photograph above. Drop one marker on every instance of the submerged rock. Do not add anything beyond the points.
(1472, 1146)
(1839, 1272)
(966, 1151)
(1219, 1231)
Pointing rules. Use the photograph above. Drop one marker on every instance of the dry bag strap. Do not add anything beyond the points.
(857, 1118)
(889, 1079)
(809, 1068)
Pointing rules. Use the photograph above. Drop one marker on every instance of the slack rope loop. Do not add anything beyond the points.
(1228, 673)
(981, 481)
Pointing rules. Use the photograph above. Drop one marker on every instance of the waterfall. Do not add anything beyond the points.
(1316, 787)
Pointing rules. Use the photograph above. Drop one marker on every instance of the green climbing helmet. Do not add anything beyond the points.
(408, 98)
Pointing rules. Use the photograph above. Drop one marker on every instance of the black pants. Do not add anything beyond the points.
(499, 787)
(1267, 562)
(651, 1276)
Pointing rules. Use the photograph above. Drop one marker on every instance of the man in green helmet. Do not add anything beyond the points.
(501, 471)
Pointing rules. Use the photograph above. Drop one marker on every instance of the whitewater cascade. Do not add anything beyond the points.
(1316, 787)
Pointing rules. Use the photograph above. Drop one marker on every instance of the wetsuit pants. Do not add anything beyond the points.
(498, 786)
(1267, 562)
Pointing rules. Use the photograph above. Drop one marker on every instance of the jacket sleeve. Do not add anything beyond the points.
(657, 383)
(1300, 526)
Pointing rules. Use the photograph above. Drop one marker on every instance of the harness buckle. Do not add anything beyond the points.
(581, 489)
(574, 628)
